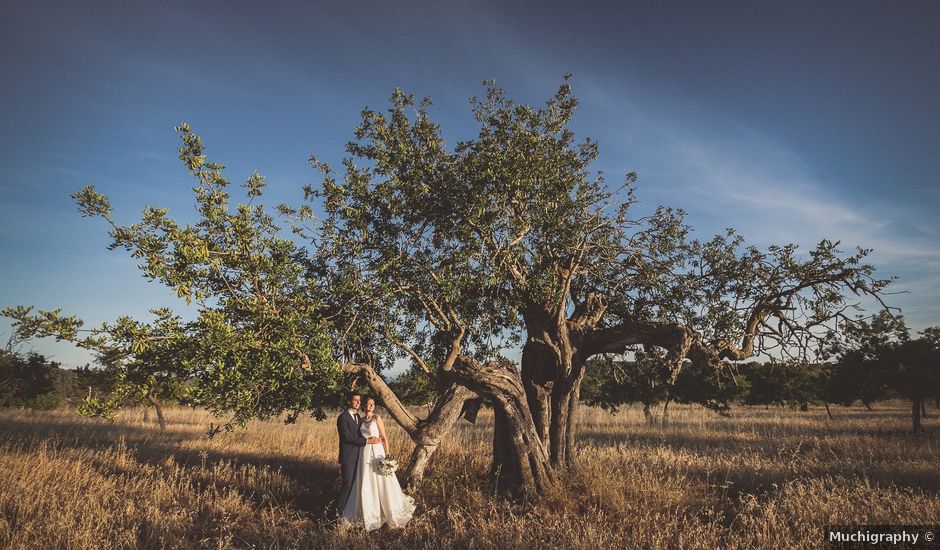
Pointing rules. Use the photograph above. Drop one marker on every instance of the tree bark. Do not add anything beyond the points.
(538, 376)
(432, 430)
(665, 413)
(159, 408)
(552, 371)
(828, 412)
(573, 404)
(563, 424)
(503, 467)
(521, 463)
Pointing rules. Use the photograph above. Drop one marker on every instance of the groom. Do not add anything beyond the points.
(350, 439)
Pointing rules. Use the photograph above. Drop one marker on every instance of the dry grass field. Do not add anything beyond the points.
(768, 478)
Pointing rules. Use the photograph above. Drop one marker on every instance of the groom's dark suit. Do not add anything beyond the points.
(350, 440)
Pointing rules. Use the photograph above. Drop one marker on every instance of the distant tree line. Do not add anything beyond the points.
(872, 360)
(30, 380)
(879, 358)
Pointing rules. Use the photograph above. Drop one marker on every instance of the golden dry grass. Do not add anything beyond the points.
(768, 478)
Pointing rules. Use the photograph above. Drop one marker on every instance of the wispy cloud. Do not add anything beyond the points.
(774, 203)
(770, 195)
(730, 175)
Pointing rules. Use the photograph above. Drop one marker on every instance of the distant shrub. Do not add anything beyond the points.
(28, 381)
(44, 401)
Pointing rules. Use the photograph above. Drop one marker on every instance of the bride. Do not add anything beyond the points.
(376, 498)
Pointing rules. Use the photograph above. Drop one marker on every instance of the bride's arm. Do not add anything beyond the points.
(378, 422)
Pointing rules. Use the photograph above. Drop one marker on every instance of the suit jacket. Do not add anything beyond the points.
(350, 438)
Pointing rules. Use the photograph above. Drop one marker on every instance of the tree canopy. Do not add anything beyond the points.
(260, 344)
(877, 356)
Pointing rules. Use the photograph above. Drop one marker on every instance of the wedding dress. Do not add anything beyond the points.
(376, 498)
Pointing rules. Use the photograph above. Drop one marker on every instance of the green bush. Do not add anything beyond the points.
(44, 401)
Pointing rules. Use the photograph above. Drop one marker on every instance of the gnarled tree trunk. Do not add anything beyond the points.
(552, 390)
(565, 393)
(555, 356)
(553, 362)
(432, 430)
(520, 462)
(538, 375)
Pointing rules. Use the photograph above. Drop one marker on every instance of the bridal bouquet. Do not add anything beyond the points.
(387, 465)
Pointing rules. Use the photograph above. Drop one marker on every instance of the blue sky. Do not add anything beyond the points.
(791, 122)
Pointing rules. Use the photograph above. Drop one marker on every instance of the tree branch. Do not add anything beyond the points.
(395, 407)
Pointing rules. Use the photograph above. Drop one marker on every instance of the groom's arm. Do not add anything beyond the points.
(348, 434)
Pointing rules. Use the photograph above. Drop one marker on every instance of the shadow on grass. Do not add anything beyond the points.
(316, 480)
(313, 481)
(82, 432)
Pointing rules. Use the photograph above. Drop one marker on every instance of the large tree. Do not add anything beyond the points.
(511, 229)
(446, 256)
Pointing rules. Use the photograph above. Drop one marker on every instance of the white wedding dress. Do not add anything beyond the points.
(376, 498)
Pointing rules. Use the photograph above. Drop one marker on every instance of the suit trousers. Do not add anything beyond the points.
(348, 473)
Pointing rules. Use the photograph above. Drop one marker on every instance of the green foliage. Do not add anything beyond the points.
(45, 401)
(616, 383)
(647, 380)
(405, 273)
(259, 345)
(26, 380)
(862, 370)
(877, 355)
(714, 389)
(413, 387)
(98, 407)
(782, 383)
(97, 379)
(914, 367)
(852, 379)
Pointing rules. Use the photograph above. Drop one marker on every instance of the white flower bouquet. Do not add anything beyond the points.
(387, 465)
